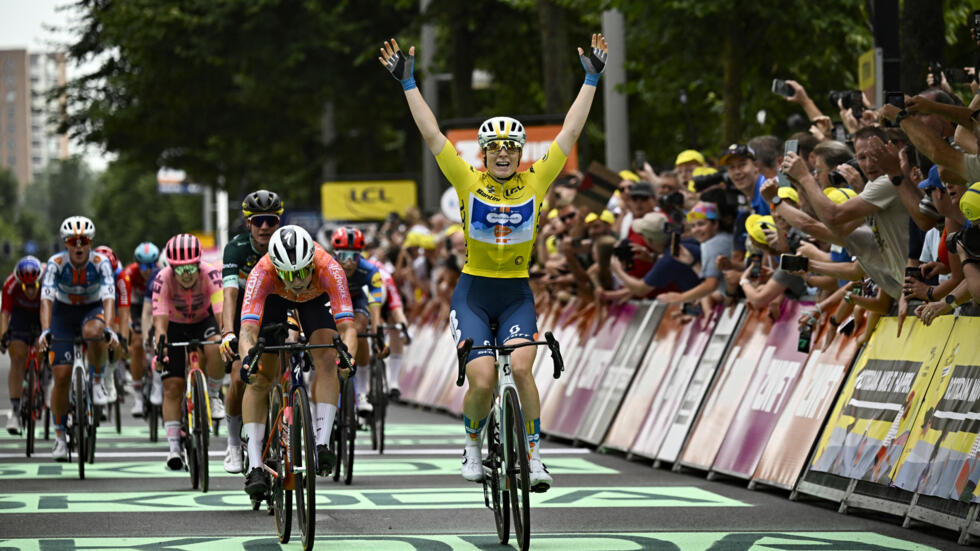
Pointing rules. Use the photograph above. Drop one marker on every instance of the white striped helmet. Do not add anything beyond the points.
(77, 226)
(291, 248)
(501, 128)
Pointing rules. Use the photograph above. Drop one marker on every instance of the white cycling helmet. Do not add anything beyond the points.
(291, 248)
(501, 128)
(77, 226)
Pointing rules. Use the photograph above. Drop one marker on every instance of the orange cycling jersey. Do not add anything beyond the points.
(328, 277)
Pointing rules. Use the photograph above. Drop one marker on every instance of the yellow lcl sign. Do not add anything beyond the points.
(367, 200)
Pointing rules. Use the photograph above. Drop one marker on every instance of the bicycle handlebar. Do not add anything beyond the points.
(398, 327)
(463, 352)
(261, 348)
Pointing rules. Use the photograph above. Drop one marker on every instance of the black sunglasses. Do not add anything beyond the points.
(260, 220)
(568, 217)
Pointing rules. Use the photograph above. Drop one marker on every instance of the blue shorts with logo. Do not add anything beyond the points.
(66, 323)
(25, 325)
(479, 301)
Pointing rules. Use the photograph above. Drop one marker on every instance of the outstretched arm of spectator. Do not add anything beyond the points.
(800, 96)
(759, 297)
(927, 141)
(891, 161)
(797, 218)
(959, 114)
(850, 271)
(841, 219)
(703, 289)
(879, 304)
(637, 287)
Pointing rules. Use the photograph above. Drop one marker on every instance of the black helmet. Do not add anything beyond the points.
(261, 202)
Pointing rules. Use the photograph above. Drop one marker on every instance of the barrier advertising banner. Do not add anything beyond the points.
(414, 360)
(584, 380)
(876, 411)
(669, 337)
(567, 335)
(726, 392)
(668, 396)
(724, 321)
(786, 453)
(605, 403)
(583, 326)
(940, 456)
(767, 395)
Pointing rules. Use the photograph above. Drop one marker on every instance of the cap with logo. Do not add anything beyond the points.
(642, 189)
(737, 150)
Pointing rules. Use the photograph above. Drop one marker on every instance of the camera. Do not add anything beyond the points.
(954, 75)
(673, 205)
(705, 181)
(838, 180)
(624, 252)
(849, 99)
(965, 242)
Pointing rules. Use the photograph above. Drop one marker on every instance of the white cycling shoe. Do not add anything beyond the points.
(217, 407)
(137, 410)
(538, 476)
(233, 459)
(472, 469)
(364, 406)
(99, 397)
(156, 390)
(109, 384)
(60, 451)
(13, 423)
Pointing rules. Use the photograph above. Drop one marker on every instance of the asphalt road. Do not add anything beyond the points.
(412, 497)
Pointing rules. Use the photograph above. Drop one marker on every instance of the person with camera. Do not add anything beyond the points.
(714, 244)
(673, 270)
(636, 255)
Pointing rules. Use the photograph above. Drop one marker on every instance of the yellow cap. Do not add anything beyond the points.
(687, 156)
(754, 225)
(591, 217)
(839, 194)
(451, 230)
(427, 241)
(629, 175)
(970, 202)
(699, 171)
(549, 243)
(605, 216)
(553, 213)
(789, 194)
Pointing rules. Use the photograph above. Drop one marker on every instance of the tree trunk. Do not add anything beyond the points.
(555, 49)
(923, 40)
(462, 59)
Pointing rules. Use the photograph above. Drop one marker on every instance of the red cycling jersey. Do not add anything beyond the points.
(328, 277)
(14, 297)
(130, 286)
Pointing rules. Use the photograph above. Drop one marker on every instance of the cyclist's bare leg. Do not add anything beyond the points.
(136, 357)
(481, 376)
(363, 357)
(233, 403)
(94, 329)
(173, 389)
(18, 358)
(255, 407)
(522, 362)
(397, 344)
(59, 397)
(326, 386)
(214, 368)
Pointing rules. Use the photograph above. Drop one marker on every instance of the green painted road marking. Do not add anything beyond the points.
(428, 498)
(141, 431)
(110, 441)
(669, 541)
(373, 466)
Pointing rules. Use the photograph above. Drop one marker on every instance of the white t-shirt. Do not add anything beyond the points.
(890, 228)
(930, 250)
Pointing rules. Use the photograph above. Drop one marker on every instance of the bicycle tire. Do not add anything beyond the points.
(348, 430)
(187, 443)
(303, 449)
(517, 468)
(499, 496)
(379, 403)
(92, 427)
(200, 429)
(47, 423)
(153, 414)
(29, 415)
(79, 422)
(338, 444)
(275, 459)
(116, 415)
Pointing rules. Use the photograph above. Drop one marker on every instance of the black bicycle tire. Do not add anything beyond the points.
(338, 443)
(116, 413)
(188, 444)
(47, 423)
(500, 498)
(30, 403)
(79, 422)
(282, 508)
(379, 391)
(303, 448)
(518, 469)
(200, 430)
(349, 430)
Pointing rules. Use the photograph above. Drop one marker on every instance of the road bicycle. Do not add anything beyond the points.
(32, 403)
(195, 422)
(345, 426)
(505, 466)
(289, 453)
(379, 394)
(83, 414)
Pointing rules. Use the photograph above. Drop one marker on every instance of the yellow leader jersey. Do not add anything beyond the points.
(500, 221)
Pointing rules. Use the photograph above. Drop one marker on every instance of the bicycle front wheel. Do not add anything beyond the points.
(303, 448)
(29, 403)
(282, 506)
(495, 480)
(348, 430)
(80, 422)
(379, 402)
(517, 468)
(199, 426)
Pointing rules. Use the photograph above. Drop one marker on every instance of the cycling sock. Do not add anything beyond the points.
(533, 429)
(363, 378)
(394, 368)
(255, 432)
(14, 406)
(234, 430)
(214, 387)
(173, 435)
(59, 429)
(325, 414)
(473, 430)
(137, 386)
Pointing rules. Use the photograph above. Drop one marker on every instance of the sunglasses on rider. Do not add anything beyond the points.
(147, 266)
(185, 269)
(260, 220)
(346, 256)
(299, 274)
(509, 145)
(78, 241)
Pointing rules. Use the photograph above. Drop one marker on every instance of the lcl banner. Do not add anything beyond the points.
(539, 139)
(366, 200)
(877, 409)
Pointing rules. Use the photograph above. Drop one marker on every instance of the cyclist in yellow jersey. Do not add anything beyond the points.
(500, 210)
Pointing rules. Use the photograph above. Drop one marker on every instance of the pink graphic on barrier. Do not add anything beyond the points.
(767, 395)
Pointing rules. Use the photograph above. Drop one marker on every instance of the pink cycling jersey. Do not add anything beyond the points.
(328, 277)
(188, 305)
(391, 290)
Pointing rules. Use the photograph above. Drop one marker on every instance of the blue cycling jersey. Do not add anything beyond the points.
(367, 280)
(65, 283)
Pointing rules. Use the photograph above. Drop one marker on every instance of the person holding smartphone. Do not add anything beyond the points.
(715, 244)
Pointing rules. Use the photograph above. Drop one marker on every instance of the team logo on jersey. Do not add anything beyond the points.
(376, 280)
(501, 224)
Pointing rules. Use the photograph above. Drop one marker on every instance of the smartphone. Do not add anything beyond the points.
(895, 98)
(780, 87)
(690, 309)
(914, 273)
(790, 145)
(840, 132)
(793, 263)
(806, 336)
(639, 159)
(755, 262)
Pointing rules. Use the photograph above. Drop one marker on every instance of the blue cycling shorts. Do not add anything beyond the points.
(66, 323)
(479, 301)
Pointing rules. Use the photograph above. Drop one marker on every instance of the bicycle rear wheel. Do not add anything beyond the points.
(199, 428)
(282, 506)
(117, 381)
(303, 448)
(338, 443)
(80, 422)
(517, 468)
(29, 403)
(499, 495)
(348, 429)
(379, 402)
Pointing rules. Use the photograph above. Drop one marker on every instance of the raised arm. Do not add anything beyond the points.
(402, 68)
(578, 113)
